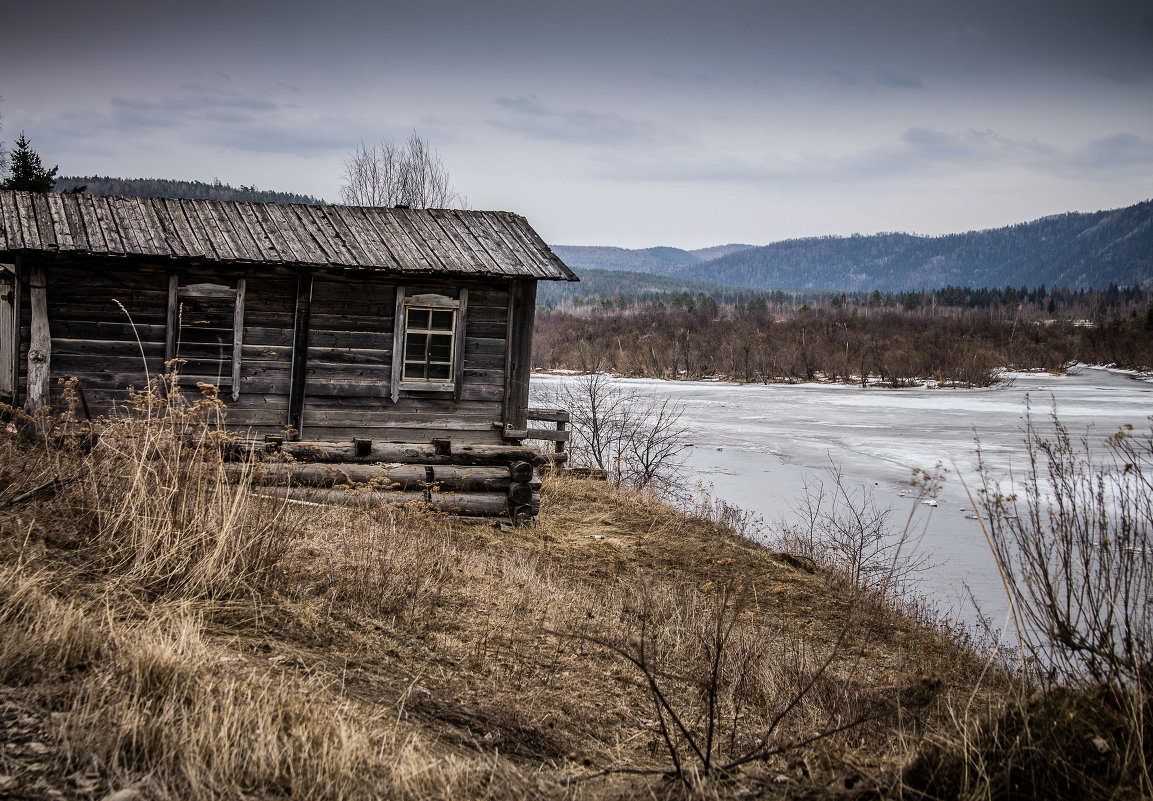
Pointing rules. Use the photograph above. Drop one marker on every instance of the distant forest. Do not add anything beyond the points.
(955, 336)
(191, 190)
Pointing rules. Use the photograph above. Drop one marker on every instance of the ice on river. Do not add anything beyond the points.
(759, 444)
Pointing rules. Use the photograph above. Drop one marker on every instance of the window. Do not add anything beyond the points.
(206, 332)
(428, 343)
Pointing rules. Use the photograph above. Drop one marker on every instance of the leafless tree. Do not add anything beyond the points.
(391, 174)
(636, 439)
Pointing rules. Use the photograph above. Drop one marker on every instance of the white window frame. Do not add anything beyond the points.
(401, 328)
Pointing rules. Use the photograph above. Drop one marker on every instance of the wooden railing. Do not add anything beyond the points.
(558, 435)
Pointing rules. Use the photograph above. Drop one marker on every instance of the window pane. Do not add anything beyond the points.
(441, 320)
(415, 347)
(439, 371)
(439, 347)
(414, 370)
(418, 318)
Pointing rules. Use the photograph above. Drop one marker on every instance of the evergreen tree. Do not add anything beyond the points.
(27, 173)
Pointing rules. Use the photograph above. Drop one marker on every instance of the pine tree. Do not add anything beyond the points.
(27, 173)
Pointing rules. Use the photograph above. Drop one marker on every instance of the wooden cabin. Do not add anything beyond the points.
(322, 324)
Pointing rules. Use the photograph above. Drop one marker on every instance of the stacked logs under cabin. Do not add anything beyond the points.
(363, 354)
(482, 480)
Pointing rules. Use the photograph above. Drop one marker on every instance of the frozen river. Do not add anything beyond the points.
(758, 444)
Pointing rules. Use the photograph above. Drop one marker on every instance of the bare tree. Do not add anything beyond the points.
(391, 174)
(636, 439)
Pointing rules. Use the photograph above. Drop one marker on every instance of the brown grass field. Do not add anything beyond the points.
(166, 632)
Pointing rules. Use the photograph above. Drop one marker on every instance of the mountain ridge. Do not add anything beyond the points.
(1072, 249)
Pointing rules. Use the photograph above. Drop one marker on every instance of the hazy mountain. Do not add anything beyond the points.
(648, 260)
(634, 285)
(1072, 250)
(1075, 250)
(658, 260)
(716, 251)
(192, 190)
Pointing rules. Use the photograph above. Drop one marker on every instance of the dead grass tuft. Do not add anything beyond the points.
(163, 629)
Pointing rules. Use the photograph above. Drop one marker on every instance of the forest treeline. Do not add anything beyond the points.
(899, 344)
(190, 190)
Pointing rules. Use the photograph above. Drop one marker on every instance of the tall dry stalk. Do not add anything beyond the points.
(162, 511)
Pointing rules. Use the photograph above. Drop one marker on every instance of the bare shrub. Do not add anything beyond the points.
(723, 694)
(842, 527)
(1075, 544)
(636, 439)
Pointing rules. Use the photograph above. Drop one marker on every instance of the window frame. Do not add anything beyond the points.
(401, 329)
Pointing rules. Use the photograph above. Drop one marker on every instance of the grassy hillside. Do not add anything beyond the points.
(166, 632)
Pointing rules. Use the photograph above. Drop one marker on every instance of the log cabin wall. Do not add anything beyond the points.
(289, 310)
(109, 329)
(348, 380)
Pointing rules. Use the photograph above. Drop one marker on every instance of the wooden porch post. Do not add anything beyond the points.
(518, 364)
(39, 343)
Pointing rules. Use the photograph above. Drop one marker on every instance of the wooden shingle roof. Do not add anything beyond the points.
(489, 243)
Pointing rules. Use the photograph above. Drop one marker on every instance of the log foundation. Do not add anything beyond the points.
(470, 480)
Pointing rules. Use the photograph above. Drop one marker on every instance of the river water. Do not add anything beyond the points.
(758, 445)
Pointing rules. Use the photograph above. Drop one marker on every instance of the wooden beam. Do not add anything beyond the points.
(17, 330)
(237, 337)
(518, 363)
(396, 476)
(488, 504)
(172, 321)
(398, 452)
(9, 318)
(458, 344)
(398, 322)
(40, 342)
(296, 381)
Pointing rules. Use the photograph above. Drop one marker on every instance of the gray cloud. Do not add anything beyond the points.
(919, 151)
(527, 115)
(1117, 152)
(899, 80)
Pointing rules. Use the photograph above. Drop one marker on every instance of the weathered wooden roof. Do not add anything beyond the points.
(491, 243)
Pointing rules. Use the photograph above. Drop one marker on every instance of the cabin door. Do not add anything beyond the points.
(9, 321)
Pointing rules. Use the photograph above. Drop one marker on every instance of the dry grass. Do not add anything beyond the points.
(163, 629)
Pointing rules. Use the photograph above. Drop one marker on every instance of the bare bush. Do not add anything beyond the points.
(1075, 544)
(841, 526)
(636, 439)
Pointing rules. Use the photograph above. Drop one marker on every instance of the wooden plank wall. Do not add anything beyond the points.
(107, 330)
(348, 382)
(266, 353)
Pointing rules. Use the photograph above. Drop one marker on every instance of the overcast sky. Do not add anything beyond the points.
(632, 124)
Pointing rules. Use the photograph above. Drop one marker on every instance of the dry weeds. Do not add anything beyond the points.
(164, 630)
